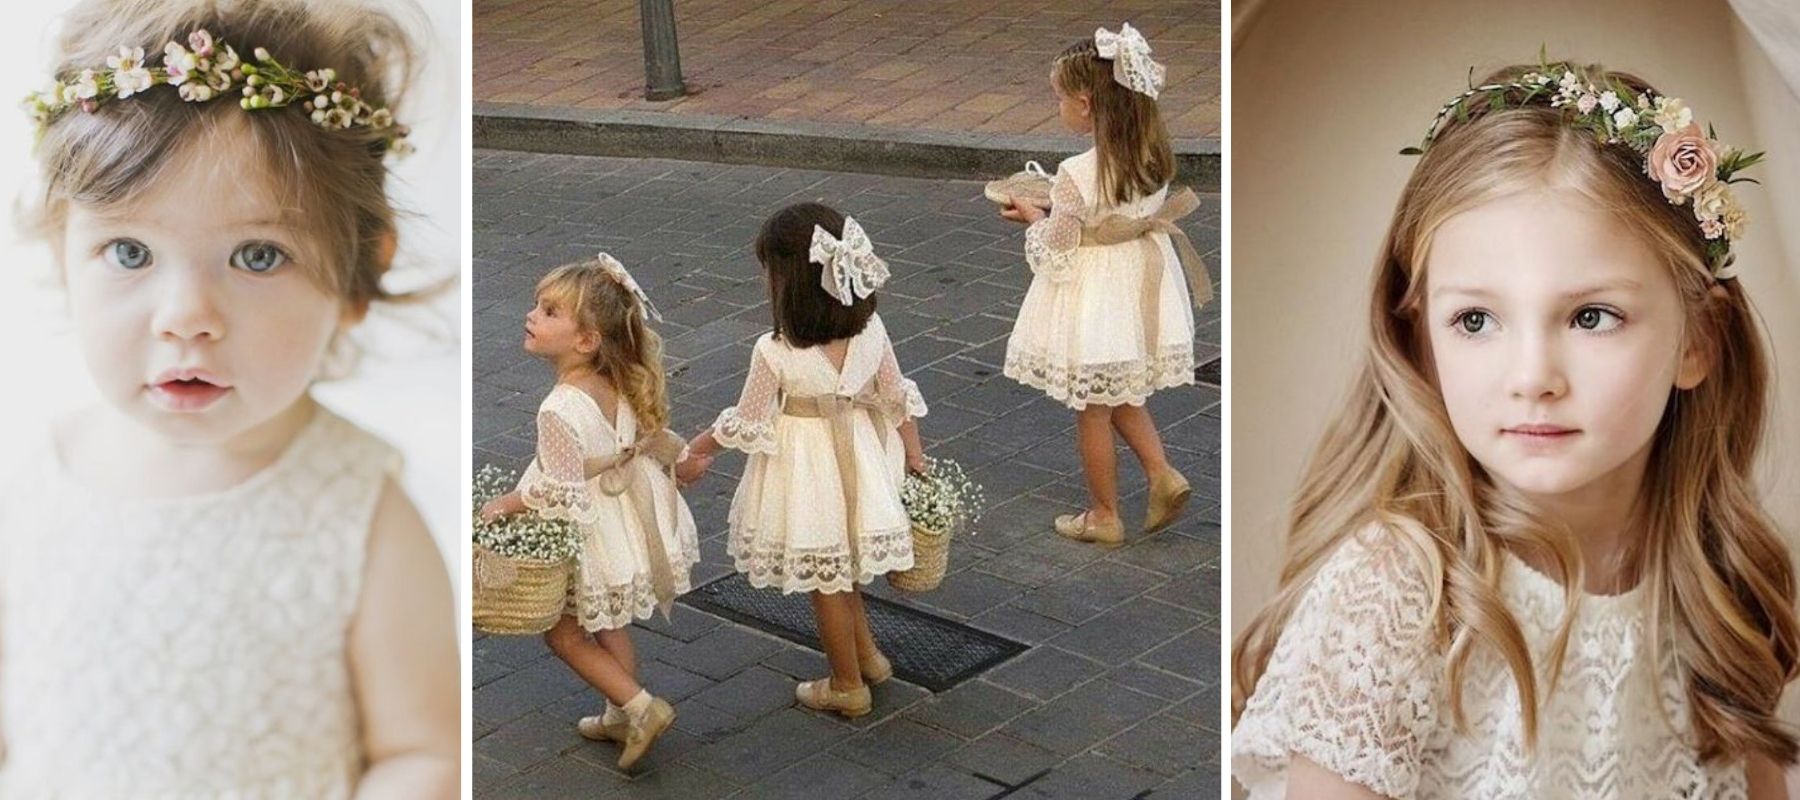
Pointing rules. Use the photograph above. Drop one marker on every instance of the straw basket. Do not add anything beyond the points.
(931, 558)
(517, 596)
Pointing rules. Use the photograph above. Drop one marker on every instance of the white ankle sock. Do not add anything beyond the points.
(636, 706)
(613, 716)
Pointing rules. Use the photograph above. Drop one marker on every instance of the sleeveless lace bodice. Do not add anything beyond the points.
(188, 647)
(1356, 685)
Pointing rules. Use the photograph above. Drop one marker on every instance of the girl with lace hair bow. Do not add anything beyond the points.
(1109, 319)
(1527, 558)
(604, 463)
(211, 584)
(827, 419)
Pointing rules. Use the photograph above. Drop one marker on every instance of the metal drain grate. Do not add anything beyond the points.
(926, 650)
(1208, 373)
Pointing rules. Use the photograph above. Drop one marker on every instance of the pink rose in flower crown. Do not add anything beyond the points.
(1683, 162)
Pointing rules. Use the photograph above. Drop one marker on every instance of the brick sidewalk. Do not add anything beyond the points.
(938, 65)
(1117, 697)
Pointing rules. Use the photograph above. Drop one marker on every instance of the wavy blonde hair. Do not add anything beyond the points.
(1719, 580)
(1135, 157)
(630, 353)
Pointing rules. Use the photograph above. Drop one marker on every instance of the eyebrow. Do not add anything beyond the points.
(1625, 285)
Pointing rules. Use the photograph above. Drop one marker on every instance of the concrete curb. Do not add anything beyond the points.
(812, 145)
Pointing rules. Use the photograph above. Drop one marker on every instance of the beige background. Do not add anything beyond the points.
(1325, 93)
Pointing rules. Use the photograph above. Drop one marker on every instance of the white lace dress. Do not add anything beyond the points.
(788, 518)
(1355, 686)
(188, 647)
(612, 583)
(1080, 334)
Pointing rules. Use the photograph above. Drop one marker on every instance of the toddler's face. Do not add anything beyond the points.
(1073, 110)
(550, 330)
(1557, 337)
(193, 306)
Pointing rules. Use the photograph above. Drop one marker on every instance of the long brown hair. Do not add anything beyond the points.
(1719, 581)
(630, 353)
(334, 179)
(1130, 139)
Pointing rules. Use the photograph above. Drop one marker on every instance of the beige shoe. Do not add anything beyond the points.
(1077, 527)
(819, 695)
(1030, 186)
(876, 669)
(643, 732)
(1169, 493)
(595, 728)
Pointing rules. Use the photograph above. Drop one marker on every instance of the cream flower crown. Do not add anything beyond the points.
(206, 68)
(1686, 163)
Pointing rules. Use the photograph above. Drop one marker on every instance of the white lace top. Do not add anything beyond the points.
(188, 647)
(1356, 686)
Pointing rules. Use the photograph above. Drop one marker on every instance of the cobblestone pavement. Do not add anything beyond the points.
(1118, 695)
(944, 65)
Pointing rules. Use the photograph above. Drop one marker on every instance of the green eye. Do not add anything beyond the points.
(126, 254)
(258, 257)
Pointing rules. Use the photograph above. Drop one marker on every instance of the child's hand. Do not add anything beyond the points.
(500, 506)
(1026, 213)
(915, 463)
(692, 469)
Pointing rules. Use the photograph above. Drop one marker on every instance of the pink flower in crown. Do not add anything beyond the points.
(1683, 161)
(179, 63)
(1586, 103)
(201, 43)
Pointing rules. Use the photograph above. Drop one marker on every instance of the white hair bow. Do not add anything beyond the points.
(1130, 54)
(852, 270)
(617, 270)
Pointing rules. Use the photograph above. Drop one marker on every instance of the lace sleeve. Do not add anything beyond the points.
(553, 485)
(750, 425)
(1050, 242)
(1353, 682)
(897, 395)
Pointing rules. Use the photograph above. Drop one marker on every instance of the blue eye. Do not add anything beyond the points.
(126, 254)
(1600, 320)
(258, 257)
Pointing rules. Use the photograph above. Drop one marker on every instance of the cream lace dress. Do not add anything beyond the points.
(188, 647)
(1080, 332)
(788, 518)
(1355, 686)
(612, 585)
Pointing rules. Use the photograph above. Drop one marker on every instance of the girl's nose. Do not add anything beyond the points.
(189, 309)
(1537, 372)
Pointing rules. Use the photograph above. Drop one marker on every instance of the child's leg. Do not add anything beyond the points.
(1099, 463)
(591, 661)
(618, 645)
(866, 649)
(1139, 431)
(837, 631)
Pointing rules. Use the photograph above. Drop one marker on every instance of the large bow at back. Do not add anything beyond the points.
(1130, 53)
(852, 270)
(617, 270)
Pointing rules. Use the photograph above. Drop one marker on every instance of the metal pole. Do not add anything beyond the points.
(662, 56)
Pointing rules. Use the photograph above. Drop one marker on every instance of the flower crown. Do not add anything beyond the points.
(206, 68)
(1686, 163)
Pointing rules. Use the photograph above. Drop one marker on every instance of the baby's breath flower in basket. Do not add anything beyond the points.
(939, 502)
(522, 563)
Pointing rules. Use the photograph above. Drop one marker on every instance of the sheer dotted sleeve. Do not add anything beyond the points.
(1050, 242)
(897, 395)
(750, 425)
(553, 485)
(1353, 684)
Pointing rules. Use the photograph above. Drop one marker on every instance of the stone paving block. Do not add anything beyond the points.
(971, 709)
(559, 779)
(1130, 629)
(1085, 593)
(1160, 745)
(768, 745)
(528, 741)
(1083, 717)
(528, 689)
(970, 594)
(722, 652)
(1045, 672)
(1155, 682)
(898, 746)
(1091, 777)
(673, 782)
(821, 776)
(1194, 654)
(751, 693)
(1003, 759)
(936, 782)
(1020, 625)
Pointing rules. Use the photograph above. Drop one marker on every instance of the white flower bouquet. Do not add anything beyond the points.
(522, 563)
(939, 503)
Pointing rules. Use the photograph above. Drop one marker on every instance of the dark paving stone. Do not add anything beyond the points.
(770, 744)
(1083, 717)
(1091, 777)
(1160, 745)
(1004, 760)
(821, 776)
(898, 746)
(971, 709)
(1046, 672)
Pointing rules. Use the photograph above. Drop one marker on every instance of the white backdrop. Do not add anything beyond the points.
(409, 386)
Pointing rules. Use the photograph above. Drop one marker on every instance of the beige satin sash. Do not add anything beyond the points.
(836, 409)
(614, 478)
(1119, 229)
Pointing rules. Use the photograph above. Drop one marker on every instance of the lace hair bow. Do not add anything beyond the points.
(617, 270)
(852, 270)
(1130, 54)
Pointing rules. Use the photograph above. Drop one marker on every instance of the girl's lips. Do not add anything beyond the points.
(187, 395)
(1540, 431)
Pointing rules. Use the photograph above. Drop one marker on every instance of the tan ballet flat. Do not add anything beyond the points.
(875, 669)
(595, 728)
(1169, 493)
(1077, 527)
(818, 695)
(643, 732)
